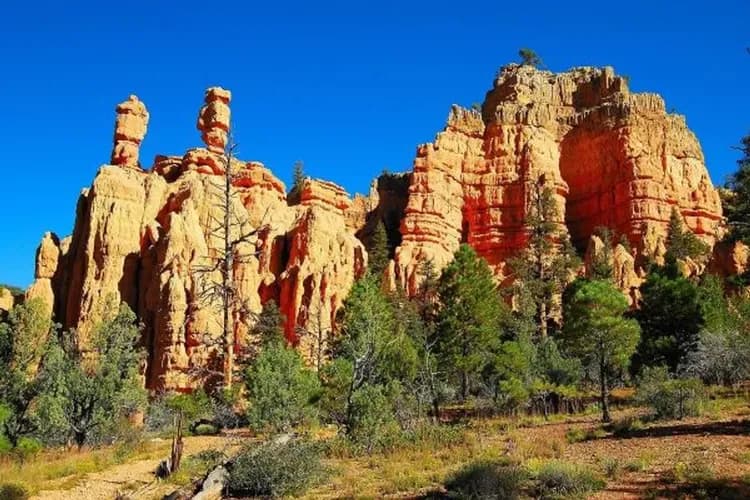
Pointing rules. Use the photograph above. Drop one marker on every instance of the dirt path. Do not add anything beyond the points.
(137, 476)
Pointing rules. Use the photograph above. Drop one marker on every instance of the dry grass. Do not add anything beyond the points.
(63, 469)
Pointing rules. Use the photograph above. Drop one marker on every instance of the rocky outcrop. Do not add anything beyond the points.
(610, 157)
(152, 239)
(619, 260)
(729, 258)
(6, 300)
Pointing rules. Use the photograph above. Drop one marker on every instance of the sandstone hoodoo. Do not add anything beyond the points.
(146, 236)
(612, 158)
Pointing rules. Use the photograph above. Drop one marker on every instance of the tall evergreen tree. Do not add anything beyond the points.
(377, 251)
(671, 317)
(737, 202)
(543, 268)
(298, 179)
(469, 319)
(681, 243)
(598, 333)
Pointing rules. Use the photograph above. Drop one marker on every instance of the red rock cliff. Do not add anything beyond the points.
(611, 157)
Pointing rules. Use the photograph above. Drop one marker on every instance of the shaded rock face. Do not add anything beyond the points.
(149, 237)
(610, 157)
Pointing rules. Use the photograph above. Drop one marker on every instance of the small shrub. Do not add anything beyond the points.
(575, 435)
(26, 448)
(743, 457)
(488, 480)
(627, 426)
(670, 397)
(557, 479)
(373, 424)
(13, 491)
(693, 471)
(205, 430)
(276, 469)
(5, 445)
(611, 467)
(635, 465)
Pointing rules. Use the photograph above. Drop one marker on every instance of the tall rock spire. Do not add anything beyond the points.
(213, 120)
(130, 129)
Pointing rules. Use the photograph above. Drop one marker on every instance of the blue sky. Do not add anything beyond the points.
(350, 88)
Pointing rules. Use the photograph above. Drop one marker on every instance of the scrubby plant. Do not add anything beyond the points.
(13, 491)
(611, 467)
(486, 479)
(670, 397)
(280, 388)
(372, 422)
(276, 469)
(556, 479)
(576, 435)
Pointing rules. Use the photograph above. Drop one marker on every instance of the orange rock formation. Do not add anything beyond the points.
(130, 129)
(610, 157)
(150, 238)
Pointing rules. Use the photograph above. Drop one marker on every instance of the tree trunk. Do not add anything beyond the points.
(604, 393)
(228, 331)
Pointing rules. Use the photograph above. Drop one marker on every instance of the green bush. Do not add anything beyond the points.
(205, 430)
(627, 426)
(557, 479)
(488, 480)
(5, 445)
(611, 467)
(576, 435)
(13, 491)
(26, 448)
(276, 469)
(372, 424)
(280, 389)
(670, 397)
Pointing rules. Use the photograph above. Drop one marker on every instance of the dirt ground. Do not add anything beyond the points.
(136, 478)
(705, 457)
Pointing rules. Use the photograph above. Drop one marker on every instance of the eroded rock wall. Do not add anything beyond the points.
(151, 237)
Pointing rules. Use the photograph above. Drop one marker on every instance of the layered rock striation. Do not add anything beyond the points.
(610, 157)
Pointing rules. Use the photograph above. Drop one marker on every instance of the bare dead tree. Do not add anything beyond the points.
(231, 228)
(318, 332)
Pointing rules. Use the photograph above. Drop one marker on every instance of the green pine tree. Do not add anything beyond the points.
(681, 243)
(22, 344)
(298, 180)
(377, 251)
(469, 319)
(598, 333)
(543, 268)
(737, 202)
(96, 389)
(529, 58)
(671, 317)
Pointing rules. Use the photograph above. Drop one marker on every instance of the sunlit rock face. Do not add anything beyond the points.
(610, 157)
(150, 237)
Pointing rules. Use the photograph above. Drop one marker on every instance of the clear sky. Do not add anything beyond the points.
(350, 87)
